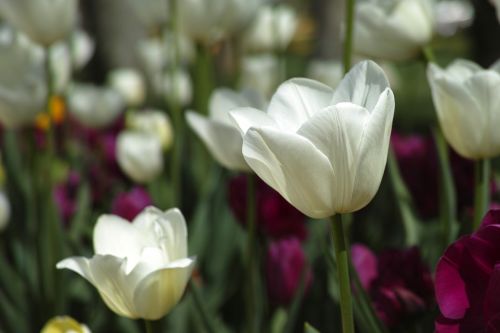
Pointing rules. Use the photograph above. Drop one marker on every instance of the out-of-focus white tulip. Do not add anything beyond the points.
(64, 324)
(467, 102)
(209, 21)
(260, 72)
(60, 66)
(324, 152)
(140, 269)
(44, 21)
(177, 86)
(273, 28)
(4, 210)
(130, 84)
(328, 72)
(152, 13)
(154, 122)
(94, 106)
(452, 15)
(139, 155)
(82, 48)
(23, 86)
(218, 132)
(392, 30)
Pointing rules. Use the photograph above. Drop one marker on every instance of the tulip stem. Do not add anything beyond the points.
(148, 326)
(252, 318)
(481, 199)
(348, 36)
(342, 258)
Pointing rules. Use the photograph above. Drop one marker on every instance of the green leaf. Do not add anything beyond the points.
(309, 329)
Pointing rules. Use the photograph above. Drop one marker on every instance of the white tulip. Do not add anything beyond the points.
(218, 132)
(209, 21)
(452, 15)
(60, 66)
(130, 84)
(82, 48)
(392, 30)
(139, 155)
(4, 210)
(323, 151)
(273, 28)
(155, 122)
(94, 106)
(44, 21)
(467, 102)
(177, 86)
(152, 13)
(260, 72)
(141, 268)
(23, 86)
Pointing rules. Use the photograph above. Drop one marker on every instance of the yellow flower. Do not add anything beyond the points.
(64, 324)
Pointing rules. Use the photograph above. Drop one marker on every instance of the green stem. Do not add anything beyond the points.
(481, 195)
(342, 258)
(348, 37)
(448, 201)
(175, 108)
(148, 326)
(200, 306)
(252, 318)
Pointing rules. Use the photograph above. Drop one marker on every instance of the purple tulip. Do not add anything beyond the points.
(276, 218)
(398, 282)
(285, 266)
(468, 281)
(129, 204)
(65, 196)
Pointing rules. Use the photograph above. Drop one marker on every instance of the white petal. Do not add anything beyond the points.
(362, 85)
(461, 69)
(373, 151)
(297, 100)
(337, 131)
(116, 236)
(160, 291)
(245, 118)
(106, 274)
(294, 167)
(222, 140)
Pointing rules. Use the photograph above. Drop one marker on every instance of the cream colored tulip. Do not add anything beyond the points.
(154, 122)
(141, 268)
(325, 152)
(130, 84)
(218, 132)
(139, 155)
(23, 86)
(467, 102)
(392, 30)
(44, 21)
(64, 324)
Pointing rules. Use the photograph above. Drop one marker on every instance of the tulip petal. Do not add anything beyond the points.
(107, 275)
(451, 293)
(461, 69)
(294, 167)
(297, 100)
(373, 151)
(245, 118)
(337, 132)
(118, 237)
(223, 100)
(222, 140)
(161, 290)
(362, 85)
(492, 301)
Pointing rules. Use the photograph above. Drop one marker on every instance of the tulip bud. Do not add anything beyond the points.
(82, 48)
(466, 100)
(64, 324)
(130, 84)
(139, 155)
